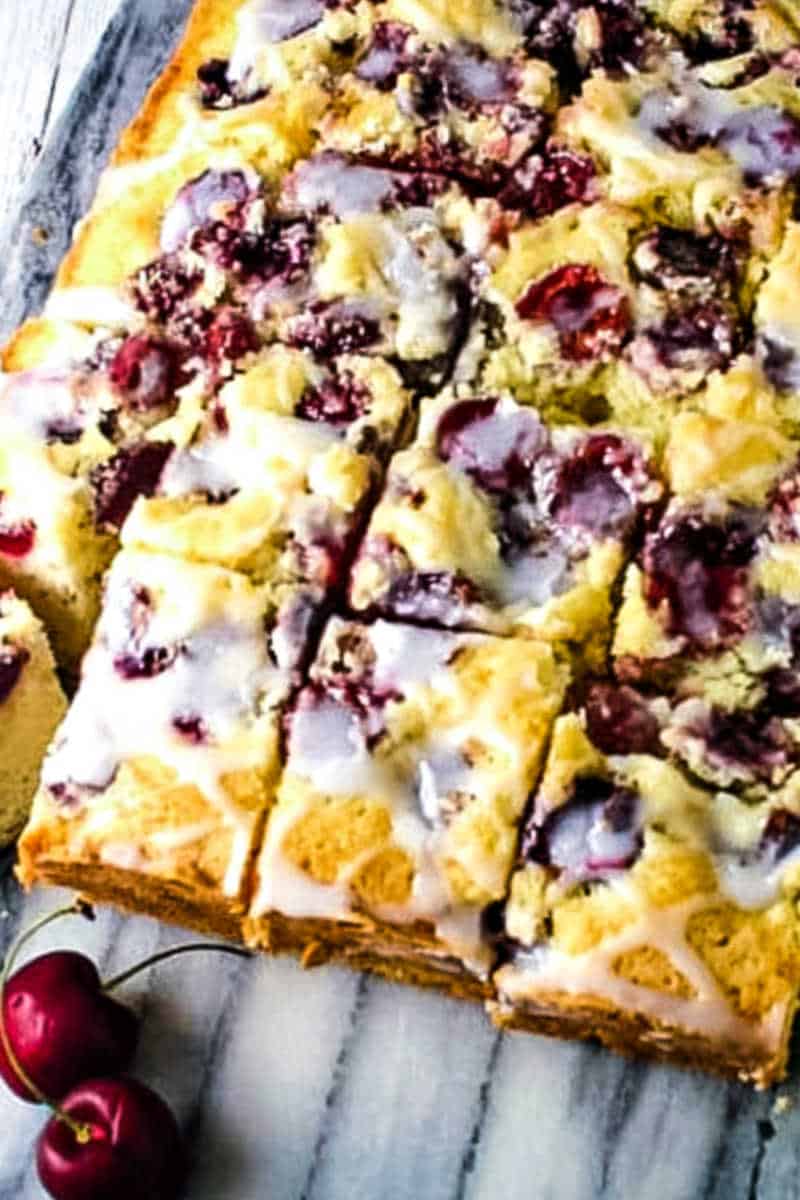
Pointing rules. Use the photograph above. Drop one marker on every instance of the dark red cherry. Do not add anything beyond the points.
(328, 331)
(147, 663)
(62, 1026)
(622, 35)
(215, 86)
(701, 337)
(783, 691)
(18, 539)
(595, 487)
(133, 1148)
(542, 184)
(781, 834)
(191, 727)
(133, 471)
(280, 253)
(754, 739)
(145, 372)
(619, 721)
(230, 336)
(338, 400)
(164, 287)
(674, 260)
(697, 572)
(496, 448)
(591, 317)
(219, 91)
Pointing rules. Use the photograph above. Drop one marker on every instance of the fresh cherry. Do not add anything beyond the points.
(122, 1143)
(62, 1026)
(108, 1139)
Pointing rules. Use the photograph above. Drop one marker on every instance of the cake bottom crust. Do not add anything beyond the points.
(632, 1034)
(204, 911)
(401, 955)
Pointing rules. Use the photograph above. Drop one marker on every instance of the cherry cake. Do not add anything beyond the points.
(406, 471)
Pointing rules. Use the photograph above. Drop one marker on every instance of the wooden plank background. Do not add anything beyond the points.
(44, 45)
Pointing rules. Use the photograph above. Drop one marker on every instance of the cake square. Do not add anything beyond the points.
(156, 785)
(410, 754)
(594, 311)
(272, 478)
(651, 913)
(491, 521)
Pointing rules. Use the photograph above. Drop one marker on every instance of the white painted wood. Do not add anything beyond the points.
(44, 45)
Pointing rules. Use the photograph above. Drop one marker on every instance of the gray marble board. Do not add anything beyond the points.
(323, 1085)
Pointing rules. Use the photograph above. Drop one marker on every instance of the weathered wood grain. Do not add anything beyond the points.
(134, 48)
(44, 46)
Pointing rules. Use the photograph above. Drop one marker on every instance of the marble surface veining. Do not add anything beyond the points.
(322, 1085)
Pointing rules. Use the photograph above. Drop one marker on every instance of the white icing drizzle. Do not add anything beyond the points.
(483, 80)
(221, 674)
(35, 402)
(413, 270)
(267, 22)
(329, 750)
(753, 882)
(329, 182)
(419, 267)
(95, 306)
(489, 442)
(257, 446)
(408, 656)
(535, 577)
(708, 1012)
(755, 137)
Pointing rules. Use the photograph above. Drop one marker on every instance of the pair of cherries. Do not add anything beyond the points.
(65, 1042)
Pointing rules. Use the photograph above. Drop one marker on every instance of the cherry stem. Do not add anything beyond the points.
(163, 955)
(78, 908)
